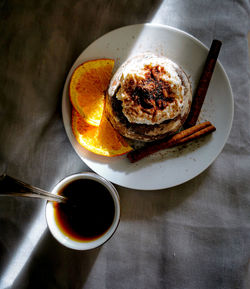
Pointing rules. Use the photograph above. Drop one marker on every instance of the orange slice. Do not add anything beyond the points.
(87, 86)
(102, 140)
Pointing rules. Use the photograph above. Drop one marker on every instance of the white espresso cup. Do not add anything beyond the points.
(58, 231)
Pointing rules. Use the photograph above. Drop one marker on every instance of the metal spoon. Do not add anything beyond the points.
(10, 186)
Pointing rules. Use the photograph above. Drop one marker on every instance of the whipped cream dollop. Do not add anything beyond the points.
(151, 90)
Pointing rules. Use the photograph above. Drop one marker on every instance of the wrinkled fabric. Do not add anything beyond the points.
(195, 235)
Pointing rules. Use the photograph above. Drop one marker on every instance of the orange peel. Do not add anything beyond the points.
(87, 87)
(103, 140)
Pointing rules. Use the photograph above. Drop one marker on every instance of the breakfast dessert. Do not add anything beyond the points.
(191, 130)
(148, 98)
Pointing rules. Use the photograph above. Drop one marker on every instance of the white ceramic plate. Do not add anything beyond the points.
(170, 167)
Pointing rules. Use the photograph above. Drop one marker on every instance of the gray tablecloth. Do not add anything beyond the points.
(196, 235)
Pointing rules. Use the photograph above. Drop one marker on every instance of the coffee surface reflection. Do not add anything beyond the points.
(89, 211)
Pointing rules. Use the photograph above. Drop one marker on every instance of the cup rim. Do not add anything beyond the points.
(65, 240)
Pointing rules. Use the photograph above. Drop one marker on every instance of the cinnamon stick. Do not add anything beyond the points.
(182, 137)
(203, 84)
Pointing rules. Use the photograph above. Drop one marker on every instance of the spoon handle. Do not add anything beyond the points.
(10, 186)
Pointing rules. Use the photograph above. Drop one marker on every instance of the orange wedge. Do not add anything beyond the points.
(87, 86)
(102, 140)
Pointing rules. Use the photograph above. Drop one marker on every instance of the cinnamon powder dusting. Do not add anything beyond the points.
(151, 92)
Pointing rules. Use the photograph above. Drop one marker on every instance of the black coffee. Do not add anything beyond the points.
(89, 211)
